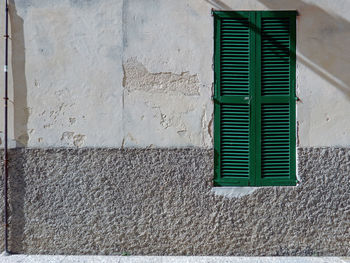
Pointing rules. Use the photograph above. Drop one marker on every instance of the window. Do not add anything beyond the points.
(254, 98)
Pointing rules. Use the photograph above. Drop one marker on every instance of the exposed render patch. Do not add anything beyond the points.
(165, 121)
(137, 77)
(210, 125)
(182, 132)
(78, 140)
(72, 138)
(22, 139)
(72, 120)
(53, 115)
(128, 137)
(67, 136)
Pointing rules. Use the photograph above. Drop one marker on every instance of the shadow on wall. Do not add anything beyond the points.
(21, 110)
(20, 119)
(217, 4)
(323, 40)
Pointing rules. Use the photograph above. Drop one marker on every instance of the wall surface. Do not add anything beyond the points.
(111, 118)
(160, 202)
(135, 73)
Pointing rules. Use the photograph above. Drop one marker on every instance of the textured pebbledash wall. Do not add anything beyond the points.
(160, 202)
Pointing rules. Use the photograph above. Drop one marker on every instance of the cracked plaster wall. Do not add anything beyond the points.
(135, 73)
(83, 83)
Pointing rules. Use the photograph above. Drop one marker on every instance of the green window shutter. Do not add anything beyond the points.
(232, 109)
(277, 98)
(254, 100)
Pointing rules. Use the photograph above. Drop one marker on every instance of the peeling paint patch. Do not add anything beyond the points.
(53, 115)
(23, 138)
(181, 132)
(137, 77)
(130, 137)
(72, 120)
(78, 140)
(73, 139)
(164, 120)
(127, 139)
(210, 126)
(67, 136)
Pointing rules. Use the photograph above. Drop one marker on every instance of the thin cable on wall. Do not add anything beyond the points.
(5, 133)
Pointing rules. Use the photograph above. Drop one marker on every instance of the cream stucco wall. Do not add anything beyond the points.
(138, 73)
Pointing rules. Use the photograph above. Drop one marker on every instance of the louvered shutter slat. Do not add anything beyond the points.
(234, 56)
(275, 31)
(235, 140)
(275, 140)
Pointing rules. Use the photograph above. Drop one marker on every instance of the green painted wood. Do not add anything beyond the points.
(277, 99)
(233, 99)
(253, 113)
(257, 104)
(254, 98)
(232, 123)
(217, 70)
(292, 103)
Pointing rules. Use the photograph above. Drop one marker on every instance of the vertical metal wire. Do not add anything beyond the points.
(5, 132)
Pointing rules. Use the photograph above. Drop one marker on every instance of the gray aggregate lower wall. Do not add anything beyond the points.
(159, 202)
